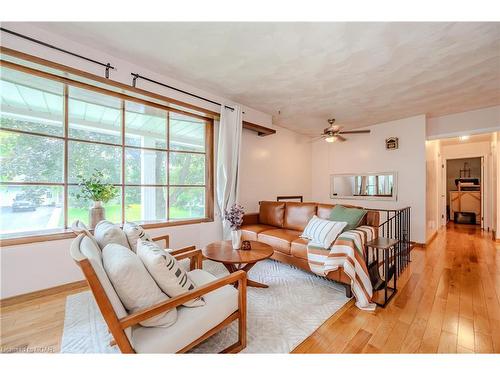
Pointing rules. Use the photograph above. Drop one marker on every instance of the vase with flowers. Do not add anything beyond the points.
(94, 189)
(234, 216)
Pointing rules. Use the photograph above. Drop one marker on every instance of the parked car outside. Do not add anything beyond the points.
(23, 205)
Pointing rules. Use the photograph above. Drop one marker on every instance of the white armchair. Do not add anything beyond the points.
(224, 304)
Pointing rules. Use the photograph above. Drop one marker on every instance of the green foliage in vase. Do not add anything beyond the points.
(92, 188)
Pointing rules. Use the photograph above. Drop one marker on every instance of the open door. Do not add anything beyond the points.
(482, 193)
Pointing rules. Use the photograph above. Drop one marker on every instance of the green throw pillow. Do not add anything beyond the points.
(351, 215)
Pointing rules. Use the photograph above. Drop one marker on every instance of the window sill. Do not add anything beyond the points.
(62, 234)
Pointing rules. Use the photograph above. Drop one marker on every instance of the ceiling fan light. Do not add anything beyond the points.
(330, 139)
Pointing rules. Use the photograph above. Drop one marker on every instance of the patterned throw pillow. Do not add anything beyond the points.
(135, 232)
(322, 232)
(166, 271)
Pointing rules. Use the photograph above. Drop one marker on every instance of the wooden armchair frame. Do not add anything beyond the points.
(117, 326)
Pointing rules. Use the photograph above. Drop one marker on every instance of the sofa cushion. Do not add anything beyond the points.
(250, 232)
(279, 239)
(134, 285)
(298, 248)
(297, 215)
(324, 210)
(191, 323)
(272, 213)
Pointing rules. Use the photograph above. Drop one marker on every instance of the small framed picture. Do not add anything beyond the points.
(392, 143)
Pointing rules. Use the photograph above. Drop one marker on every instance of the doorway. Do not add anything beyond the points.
(463, 189)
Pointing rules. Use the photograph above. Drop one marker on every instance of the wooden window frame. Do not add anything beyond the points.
(62, 233)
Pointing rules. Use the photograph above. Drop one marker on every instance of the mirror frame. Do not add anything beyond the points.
(394, 196)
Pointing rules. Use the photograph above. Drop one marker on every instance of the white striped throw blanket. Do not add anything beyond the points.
(347, 252)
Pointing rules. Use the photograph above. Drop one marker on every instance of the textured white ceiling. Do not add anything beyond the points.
(359, 73)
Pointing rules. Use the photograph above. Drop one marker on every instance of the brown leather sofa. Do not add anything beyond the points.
(280, 224)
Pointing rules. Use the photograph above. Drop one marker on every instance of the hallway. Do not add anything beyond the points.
(448, 302)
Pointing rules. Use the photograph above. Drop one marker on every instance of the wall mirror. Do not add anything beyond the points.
(372, 186)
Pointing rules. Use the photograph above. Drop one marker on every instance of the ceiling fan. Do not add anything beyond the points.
(333, 132)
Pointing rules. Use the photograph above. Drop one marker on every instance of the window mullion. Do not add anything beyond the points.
(167, 198)
(66, 155)
(123, 161)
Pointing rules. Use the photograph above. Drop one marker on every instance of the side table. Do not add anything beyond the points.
(388, 247)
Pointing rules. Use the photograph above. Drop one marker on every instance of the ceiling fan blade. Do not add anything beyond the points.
(354, 131)
(340, 138)
(317, 138)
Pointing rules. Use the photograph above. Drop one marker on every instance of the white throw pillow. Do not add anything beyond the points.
(134, 285)
(166, 271)
(322, 232)
(106, 232)
(79, 227)
(135, 232)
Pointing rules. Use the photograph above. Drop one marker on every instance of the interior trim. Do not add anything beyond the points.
(22, 298)
(261, 130)
(62, 234)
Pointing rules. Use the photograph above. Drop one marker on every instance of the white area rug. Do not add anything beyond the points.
(279, 317)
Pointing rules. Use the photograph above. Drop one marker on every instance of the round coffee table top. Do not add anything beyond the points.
(222, 251)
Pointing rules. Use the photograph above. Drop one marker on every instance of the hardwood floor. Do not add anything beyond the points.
(448, 302)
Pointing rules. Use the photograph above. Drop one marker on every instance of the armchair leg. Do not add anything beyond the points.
(242, 319)
(242, 305)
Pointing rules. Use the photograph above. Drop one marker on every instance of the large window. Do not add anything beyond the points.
(52, 132)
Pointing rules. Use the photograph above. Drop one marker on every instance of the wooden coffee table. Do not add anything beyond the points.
(235, 260)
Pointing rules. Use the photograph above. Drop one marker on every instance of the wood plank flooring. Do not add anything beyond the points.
(448, 302)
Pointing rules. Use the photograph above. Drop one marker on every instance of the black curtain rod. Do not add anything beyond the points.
(106, 65)
(136, 76)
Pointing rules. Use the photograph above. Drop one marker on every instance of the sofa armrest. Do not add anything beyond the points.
(239, 277)
(373, 218)
(249, 219)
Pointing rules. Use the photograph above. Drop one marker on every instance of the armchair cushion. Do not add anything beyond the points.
(135, 232)
(88, 248)
(106, 232)
(134, 285)
(191, 323)
(166, 271)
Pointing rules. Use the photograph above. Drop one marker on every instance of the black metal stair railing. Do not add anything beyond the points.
(396, 224)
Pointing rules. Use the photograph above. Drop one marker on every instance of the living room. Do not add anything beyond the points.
(268, 187)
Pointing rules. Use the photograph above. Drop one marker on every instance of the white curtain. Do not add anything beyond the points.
(228, 161)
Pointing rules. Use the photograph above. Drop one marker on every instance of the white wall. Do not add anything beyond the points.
(495, 183)
(479, 121)
(366, 153)
(433, 175)
(273, 165)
